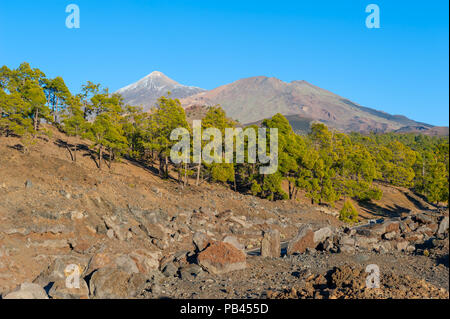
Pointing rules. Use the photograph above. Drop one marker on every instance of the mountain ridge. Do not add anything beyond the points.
(252, 99)
(263, 97)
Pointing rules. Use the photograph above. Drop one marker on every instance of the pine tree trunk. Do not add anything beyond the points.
(100, 155)
(35, 120)
(70, 151)
(198, 173)
(161, 165)
(290, 191)
(166, 160)
(111, 154)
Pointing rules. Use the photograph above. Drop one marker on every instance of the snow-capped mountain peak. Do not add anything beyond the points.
(147, 90)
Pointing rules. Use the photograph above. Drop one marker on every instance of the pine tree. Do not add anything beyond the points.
(348, 213)
(74, 122)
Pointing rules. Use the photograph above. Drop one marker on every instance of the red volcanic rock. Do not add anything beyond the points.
(220, 258)
(303, 240)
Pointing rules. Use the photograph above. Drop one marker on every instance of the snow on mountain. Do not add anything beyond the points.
(147, 90)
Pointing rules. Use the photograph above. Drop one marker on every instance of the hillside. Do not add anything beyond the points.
(128, 224)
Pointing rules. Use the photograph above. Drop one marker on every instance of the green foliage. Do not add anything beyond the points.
(348, 213)
(325, 165)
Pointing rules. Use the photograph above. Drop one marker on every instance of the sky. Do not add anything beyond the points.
(400, 68)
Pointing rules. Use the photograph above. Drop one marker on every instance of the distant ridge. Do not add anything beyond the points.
(253, 99)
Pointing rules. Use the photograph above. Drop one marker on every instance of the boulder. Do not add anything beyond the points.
(270, 244)
(423, 219)
(120, 231)
(413, 237)
(112, 283)
(190, 272)
(126, 263)
(154, 231)
(170, 270)
(220, 258)
(425, 229)
(322, 234)
(27, 291)
(58, 269)
(443, 225)
(304, 239)
(391, 235)
(347, 249)
(146, 261)
(347, 241)
(234, 241)
(60, 290)
(100, 260)
(377, 230)
(383, 246)
(404, 228)
(402, 245)
(123, 262)
(201, 241)
(366, 242)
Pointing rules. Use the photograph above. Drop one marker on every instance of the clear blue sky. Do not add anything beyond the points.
(401, 68)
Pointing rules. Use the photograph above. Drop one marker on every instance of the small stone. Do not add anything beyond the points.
(411, 248)
(110, 233)
(28, 184)
(76, 215)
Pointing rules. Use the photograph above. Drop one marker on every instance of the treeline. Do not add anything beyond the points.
(325, 165)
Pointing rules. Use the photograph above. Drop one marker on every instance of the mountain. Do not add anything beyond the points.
(147, 90)
(253, 99)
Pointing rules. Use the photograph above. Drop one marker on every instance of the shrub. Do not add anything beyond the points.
(348, 213)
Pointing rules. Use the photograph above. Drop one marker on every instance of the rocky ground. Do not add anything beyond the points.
(130, 234)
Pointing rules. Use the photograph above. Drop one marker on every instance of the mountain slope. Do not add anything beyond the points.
(253, 99)
(147, 90)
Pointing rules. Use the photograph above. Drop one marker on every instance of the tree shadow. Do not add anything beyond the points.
(149, 168)
(17, 147)
(82, 149)
(417, 203)
(389, 211)
(143, 165)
